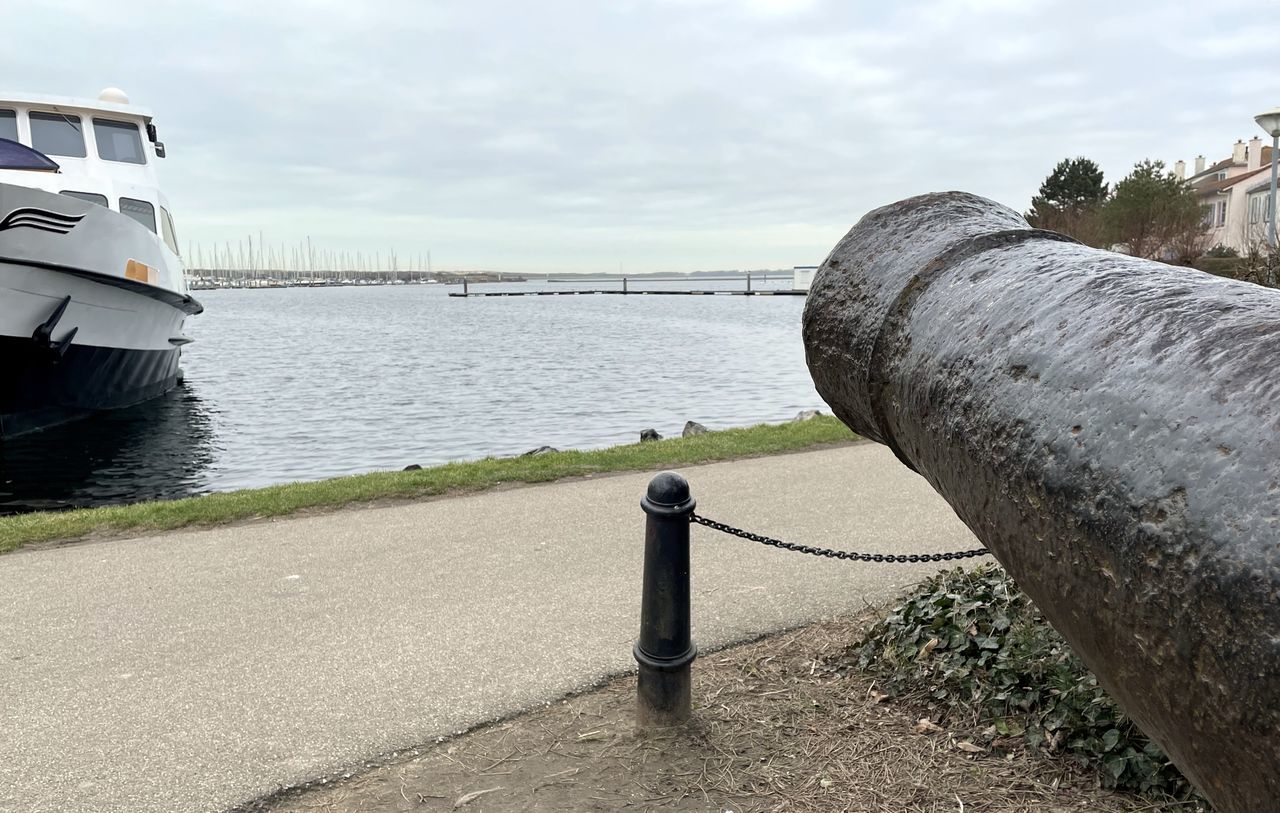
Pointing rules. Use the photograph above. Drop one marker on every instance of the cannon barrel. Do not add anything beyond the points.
(1110, 428)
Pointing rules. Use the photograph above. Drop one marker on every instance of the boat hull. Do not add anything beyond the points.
(92, 306)
(125, 347)
(40, 391)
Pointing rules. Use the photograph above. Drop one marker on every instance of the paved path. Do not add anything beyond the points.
(202, 669)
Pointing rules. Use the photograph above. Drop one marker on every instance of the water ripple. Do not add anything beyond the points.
(302, 384)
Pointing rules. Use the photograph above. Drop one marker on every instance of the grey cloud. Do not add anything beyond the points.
(563, 134)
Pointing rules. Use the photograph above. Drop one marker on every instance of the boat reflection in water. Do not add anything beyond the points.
(157, 450)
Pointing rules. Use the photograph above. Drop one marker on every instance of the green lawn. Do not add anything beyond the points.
(281, 500)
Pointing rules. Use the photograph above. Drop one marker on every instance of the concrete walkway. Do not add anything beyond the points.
(200, 670)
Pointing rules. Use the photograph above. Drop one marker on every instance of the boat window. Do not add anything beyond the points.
(166, 229)
(140, 211)
(57, 134)
(9, 124)
(101, 200)
(118, 141)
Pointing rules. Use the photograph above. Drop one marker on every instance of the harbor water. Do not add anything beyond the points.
(306, 383)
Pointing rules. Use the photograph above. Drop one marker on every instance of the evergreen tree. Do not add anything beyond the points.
(1075, 183)
(1155, 215)
(1070, 199)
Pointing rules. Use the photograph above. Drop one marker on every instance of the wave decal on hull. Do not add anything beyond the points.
(42, 219)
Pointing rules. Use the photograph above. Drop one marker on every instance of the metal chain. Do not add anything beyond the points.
(839, 554)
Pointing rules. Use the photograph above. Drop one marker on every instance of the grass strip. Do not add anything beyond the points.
(282, 500)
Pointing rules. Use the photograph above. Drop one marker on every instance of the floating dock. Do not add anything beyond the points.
(627, 290)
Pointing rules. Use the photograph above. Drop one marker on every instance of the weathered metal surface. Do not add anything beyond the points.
(1109, 427)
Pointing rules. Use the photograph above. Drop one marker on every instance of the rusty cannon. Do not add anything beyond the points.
(1110, 428)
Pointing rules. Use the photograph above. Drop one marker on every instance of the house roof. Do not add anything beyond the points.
(1214, 187)
(1223, 164)
(1261, 186)
(1202, 180)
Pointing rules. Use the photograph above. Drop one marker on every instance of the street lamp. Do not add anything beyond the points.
(1270, 122)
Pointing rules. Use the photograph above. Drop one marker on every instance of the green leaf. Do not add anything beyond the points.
(1110, 739)
(1013, 674)
(1116, 766)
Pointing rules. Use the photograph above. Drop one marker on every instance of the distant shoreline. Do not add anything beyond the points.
(210, 280)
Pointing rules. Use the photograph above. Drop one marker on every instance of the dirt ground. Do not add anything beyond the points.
(776, 728)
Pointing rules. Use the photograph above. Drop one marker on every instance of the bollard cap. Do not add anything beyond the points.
(668, 496)
(668, 488)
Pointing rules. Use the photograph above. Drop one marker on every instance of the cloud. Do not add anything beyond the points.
(780, 8)
(763, 9)
(681, 133)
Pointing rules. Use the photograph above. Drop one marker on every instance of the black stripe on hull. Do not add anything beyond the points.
(183, 302)
(37, 390)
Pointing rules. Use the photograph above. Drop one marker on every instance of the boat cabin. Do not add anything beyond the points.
(105, 150)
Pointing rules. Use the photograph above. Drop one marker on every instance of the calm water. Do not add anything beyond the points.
(302, 384)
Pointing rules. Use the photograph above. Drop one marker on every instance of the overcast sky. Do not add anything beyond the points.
(660, 134)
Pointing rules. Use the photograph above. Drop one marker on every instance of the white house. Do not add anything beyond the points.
(1234, 192)
(1259, 210)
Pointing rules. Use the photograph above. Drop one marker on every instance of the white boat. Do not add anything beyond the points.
(92, 292)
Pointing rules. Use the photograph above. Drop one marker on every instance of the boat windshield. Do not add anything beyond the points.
(118, 141)
(56, 134)
(9, 124)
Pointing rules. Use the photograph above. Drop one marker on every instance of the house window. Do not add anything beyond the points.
(1211, 213)
(1260, 208)
(140, 211)
(9, 124)
(118, 141)
(101, 200)
(57, 134)
(1222, 213)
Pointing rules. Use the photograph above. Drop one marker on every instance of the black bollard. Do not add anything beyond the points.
(665, 650)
